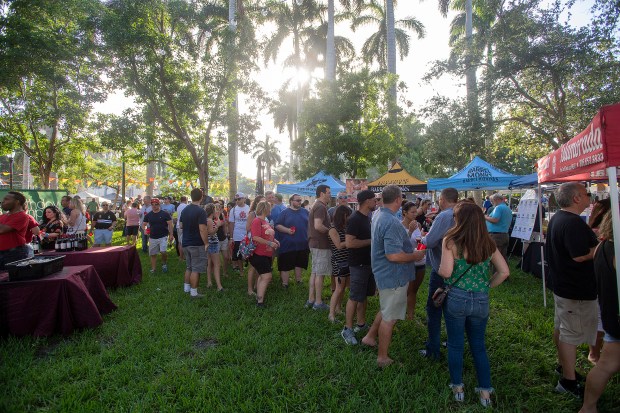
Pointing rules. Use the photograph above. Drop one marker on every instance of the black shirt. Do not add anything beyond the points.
(191, 218)
(159, 223)
(358, 225)
(569, 237)
(104, 219)
(607, 288)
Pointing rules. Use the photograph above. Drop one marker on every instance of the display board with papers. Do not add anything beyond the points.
(526, 216)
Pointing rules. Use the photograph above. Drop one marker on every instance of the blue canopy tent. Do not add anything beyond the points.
(525, 181)
(308, 187)
(478, 174)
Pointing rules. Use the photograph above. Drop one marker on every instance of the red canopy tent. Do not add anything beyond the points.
(592, 155)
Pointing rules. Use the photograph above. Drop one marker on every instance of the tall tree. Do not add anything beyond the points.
(374, 49)
(175, 58)
(51, 63)
(268, 154)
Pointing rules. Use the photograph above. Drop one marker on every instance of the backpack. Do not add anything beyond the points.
(246, 247)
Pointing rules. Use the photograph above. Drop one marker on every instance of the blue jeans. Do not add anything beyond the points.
(467, 312)
(433, 315)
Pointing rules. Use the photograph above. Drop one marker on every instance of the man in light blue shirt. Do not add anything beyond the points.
(498, 223)
(433, 240)
(393, 265)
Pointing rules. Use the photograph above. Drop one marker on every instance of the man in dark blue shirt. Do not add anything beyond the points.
(158, 225)
(193, 223)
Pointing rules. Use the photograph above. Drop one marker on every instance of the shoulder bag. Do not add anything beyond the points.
(441, 294)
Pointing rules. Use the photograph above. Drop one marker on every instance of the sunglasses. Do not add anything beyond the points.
(343, 197)
(296, 200)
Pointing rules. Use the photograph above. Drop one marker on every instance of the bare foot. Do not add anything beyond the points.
(383, 363)
(331, 318)
(209, 285)
(250, 293)
(370, 342)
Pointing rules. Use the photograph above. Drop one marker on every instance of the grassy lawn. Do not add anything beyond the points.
(161, 351)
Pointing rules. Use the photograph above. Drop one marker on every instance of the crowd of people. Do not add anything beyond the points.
(380, 248)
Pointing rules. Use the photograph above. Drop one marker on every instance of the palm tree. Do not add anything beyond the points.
(284, 112)
(375, 48)
(266, 155)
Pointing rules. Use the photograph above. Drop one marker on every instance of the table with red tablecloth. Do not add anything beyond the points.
(117, 266)
(64, 301)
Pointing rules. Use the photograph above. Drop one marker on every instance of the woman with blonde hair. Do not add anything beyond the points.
(77, 219)
(261, 260)
(467, 251)
(213, 249)
(248, 226)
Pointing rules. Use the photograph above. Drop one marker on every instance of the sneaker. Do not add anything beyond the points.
(309, 304)
(152, 272)
(197, 296)
(260, 305)
(221, 290)
(359, 328)
(572, 387)
(348, 336)
(321, 306)
(579, 377)
(164, 268)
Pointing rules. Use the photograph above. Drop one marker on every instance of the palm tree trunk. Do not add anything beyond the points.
(391, 56)
(233, 116)
(330, 59)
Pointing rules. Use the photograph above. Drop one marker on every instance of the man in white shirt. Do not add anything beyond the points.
(180, 209)
(237, 219)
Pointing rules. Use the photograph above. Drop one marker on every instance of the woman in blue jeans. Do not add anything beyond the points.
(467, 251)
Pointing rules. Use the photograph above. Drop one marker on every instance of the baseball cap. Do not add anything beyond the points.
(365, 195)
(154, 201)
(239, 195)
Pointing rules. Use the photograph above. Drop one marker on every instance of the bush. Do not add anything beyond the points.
(120, 224)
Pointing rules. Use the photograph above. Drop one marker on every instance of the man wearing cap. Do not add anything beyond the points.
(357, 239)
(104, 222)
(237, 219)
(160, 233)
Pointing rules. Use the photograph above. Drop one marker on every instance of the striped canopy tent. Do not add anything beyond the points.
(400, 177)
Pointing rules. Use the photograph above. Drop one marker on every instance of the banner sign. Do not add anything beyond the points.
(37, 200)
(354, 186)
(584, 154)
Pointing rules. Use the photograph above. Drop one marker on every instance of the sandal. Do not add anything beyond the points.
(458, 392)
(484, 401)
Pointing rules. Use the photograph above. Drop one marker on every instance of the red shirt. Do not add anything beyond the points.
(21, 222)
(261, 228)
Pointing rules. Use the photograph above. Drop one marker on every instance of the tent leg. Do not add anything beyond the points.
(542, 248)
(615, 217)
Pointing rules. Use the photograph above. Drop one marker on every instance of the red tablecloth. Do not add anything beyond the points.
(117, 266)
(72, 298)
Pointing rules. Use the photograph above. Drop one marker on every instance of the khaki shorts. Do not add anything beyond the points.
(576, 320)
(321, 261)
(393, 302)
(157, 245)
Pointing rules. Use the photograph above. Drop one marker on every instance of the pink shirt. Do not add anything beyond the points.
(132, 217)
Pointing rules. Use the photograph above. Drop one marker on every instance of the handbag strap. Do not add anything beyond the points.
(461, 276)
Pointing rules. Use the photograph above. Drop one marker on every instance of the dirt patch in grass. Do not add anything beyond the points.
(47, 349)
(206, 344)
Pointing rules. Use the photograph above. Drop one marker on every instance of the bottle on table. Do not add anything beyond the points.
(35, 245)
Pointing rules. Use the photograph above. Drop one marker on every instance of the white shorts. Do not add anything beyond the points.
(224, 245)
(157, 245)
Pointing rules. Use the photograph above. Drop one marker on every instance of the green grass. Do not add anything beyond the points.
(160, 351)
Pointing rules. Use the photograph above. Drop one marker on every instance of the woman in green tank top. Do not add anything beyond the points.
(467, 251)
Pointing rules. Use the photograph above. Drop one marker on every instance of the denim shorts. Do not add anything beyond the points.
(610, 339)
(103, 236)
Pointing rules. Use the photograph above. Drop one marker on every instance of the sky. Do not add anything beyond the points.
(422, 53)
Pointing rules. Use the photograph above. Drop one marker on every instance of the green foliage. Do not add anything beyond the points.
(51, 66)
(347, 130)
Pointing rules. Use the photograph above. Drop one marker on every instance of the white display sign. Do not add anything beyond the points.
(526, 216)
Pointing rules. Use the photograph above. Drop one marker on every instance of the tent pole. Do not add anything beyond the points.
(615, 218)
(542, 247)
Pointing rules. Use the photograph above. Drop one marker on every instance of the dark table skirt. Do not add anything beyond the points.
(117, 266)
(60, 303)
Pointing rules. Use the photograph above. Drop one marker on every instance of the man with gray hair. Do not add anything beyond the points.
(498, 224)
(393, 265)
(569, 250)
